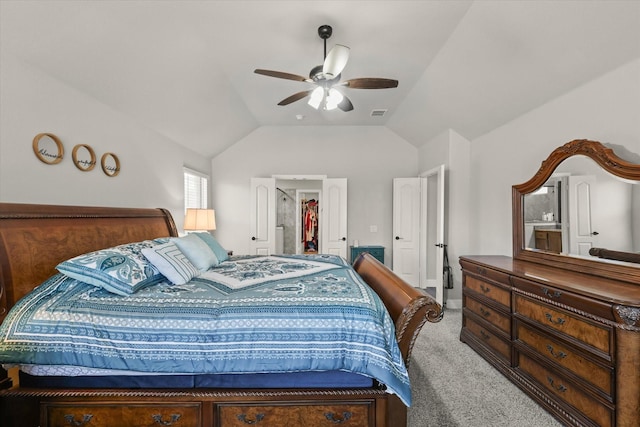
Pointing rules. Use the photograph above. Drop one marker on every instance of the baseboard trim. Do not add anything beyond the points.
(454, 303)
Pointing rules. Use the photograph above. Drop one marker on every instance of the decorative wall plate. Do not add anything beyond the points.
(84, 157)
(48, 148)
(110, 164)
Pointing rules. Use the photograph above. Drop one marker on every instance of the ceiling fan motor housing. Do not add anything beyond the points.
(325, 31)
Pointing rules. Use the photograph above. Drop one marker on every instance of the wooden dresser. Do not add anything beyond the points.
(569, 340)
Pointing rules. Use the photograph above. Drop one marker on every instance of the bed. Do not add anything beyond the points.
(306, 388)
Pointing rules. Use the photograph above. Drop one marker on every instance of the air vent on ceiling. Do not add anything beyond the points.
(378, 113)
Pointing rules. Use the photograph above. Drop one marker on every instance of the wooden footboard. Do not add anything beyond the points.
(409, 308)
(35, 238)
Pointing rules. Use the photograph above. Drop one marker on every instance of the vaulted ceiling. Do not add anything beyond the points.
(185, 68)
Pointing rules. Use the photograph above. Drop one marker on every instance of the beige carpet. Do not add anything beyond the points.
(454, 387)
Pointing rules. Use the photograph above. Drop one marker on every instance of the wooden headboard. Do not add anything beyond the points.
(35, 238)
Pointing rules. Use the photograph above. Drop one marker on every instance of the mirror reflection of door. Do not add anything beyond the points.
(582, 235)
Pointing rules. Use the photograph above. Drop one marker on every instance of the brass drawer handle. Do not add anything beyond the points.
(559, 387)
(559, 355)
(548, 293)
(158, 419)
(559, 321)
(71, 419)
(346, 416)
(485, 313)
(484, 289)
(243, 418)
(484, 335)
(482, 271)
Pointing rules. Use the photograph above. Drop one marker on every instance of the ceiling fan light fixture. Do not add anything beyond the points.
(316, 97)
(327, 75)
(333, 99)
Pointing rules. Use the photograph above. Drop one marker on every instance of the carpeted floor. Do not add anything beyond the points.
(454, 387)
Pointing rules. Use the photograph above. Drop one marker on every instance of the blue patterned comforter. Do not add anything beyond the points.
(248, 315)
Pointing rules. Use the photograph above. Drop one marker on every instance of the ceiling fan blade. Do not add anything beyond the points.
(345, 105)
(281, 75)
(370, 83)
(295, 97)
(335, 61)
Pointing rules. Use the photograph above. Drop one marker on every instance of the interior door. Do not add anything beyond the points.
(263, 216)
(333, 217)
(432, 221)
(406, 229)
(582, 235)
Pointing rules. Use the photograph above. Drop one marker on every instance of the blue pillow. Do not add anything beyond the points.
(197, 251)
(171, 262)
(122, 269)
(221, 253)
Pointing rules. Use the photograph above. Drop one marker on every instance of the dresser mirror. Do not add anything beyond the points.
(579, 209)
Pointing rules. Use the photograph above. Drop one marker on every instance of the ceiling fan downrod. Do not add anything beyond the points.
(325, 31)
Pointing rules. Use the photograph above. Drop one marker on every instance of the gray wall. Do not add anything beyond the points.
(32, 103)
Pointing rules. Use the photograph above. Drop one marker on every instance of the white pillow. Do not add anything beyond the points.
(171, 262)
(198, 252)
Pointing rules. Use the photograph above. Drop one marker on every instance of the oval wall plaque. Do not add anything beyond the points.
(84, 157)
(48, 148)
(110, 164)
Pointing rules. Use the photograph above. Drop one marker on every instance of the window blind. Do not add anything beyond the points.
(196, 186)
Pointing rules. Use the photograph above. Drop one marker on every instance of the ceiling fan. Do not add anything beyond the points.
(327, 78)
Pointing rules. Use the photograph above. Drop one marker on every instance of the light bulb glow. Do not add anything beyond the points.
(333, 99)
(316, 97)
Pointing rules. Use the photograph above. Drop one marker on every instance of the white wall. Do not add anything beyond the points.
(368, 156)
(606, 109)
(32, 102)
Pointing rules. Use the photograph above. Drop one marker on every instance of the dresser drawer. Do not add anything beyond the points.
(64, 414)
(294, 414)
(488, 273)
(559, 296)
(495, 343)
(601, 377)
(501, 321)
(586, 332)
(496, 293)
(600, 413)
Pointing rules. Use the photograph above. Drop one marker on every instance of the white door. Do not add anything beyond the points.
(582, 235)
(333, 217)
(432, 221)
(406, 229)
(418, 227)
(263, 216)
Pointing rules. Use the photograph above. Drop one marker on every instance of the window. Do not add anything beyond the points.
(196, 189)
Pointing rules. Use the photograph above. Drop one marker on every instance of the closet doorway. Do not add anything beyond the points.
(281, 224)
(308, 222)
(298, 210)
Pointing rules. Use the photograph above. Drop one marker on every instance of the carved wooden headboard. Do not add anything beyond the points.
(35, 238)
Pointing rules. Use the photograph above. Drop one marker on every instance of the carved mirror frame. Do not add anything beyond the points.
(610, 162)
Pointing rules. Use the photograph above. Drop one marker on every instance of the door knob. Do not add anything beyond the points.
(253, 238)
(397, 237)
(343, 239)
(595, 233)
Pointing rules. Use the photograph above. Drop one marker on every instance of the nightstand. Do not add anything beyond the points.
(376, 251)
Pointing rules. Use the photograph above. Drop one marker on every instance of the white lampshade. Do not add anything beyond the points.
(316, 97)
(333, 99)
(200, 219)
